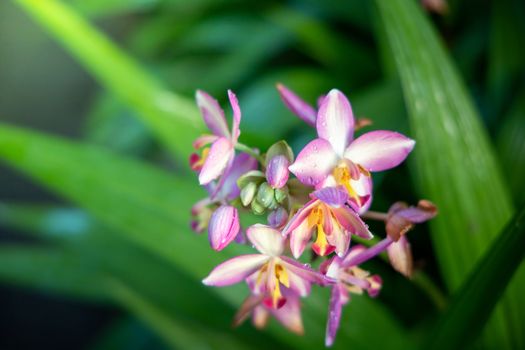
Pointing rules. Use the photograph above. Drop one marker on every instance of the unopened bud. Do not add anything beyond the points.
(257, 207)
(265, 195)
(248, 193)
(280, 195)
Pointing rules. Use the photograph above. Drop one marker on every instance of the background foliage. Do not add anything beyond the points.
(107, 224)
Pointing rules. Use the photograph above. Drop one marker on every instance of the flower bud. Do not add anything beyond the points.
(277, 171)
(248, 193)
(265, 195)
(278, 218)
(223, 227)
(257, 207)
(280, 195)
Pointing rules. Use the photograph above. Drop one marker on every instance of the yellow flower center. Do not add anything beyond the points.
(204, 155)
(343, 176)
(316, 218)
(278, 276)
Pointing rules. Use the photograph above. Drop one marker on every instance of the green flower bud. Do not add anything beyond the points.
(280, 195)
(265, 195)
(248, 193)
(257, 208)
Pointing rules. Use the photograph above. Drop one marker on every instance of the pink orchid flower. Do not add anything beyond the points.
(268, 271)
(349, 279)
(289, 314)
(400, 219)
(334, 223)
(216, 159)
(336, 159)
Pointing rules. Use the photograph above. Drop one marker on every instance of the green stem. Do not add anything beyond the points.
(253, 152)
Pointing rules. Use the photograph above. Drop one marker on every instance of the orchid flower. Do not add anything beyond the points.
(327, 214)
(336, 159)
(350, 278)
(268, 271)
(289, 314)
(216, 159)
(400, 219)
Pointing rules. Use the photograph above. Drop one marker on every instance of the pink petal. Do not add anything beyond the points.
(352, 222)
(315, 162)
(242, 163)
(424, 211)
(379, 150)
(299, 238)
(333, 196)
(340, 239)
(363, 188)
(300, 216)
(223, 227)
(218, 158)
(212, 113)
(290, 315)
(204, 140)
(337, 300)
(400, 256)
(354, 252)
(335, 121)
(304, 271)
(299, 285)
(298, 107)
(266, 240)
(236, 115)
(235, 270)
(277, 171)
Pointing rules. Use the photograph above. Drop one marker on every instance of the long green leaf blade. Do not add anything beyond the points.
(174, 119)
(470, 309)
(455, 162)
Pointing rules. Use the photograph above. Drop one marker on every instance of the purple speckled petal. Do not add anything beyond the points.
(315, 162)
(236, 116)
(335, 121)
(218, 159)
(212, 113)
(379, 150)
(333, 196)
(223, 227)
(298, 107)
(235, 270)
(277, 171)
(266, 240)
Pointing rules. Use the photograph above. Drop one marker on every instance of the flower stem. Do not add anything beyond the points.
(251, 151)
(375, 215)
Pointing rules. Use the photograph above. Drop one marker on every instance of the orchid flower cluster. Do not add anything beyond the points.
(319, 209)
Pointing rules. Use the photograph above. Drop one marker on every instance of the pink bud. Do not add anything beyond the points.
(223, 227)
(277, 171)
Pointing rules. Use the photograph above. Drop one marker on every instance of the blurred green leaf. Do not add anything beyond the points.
(151, 209)
(52, 270)
(506, 61)
(470, 309)
(98, 8)
(511, 148)
(455, 162)
(174, 119)
(127, 333)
